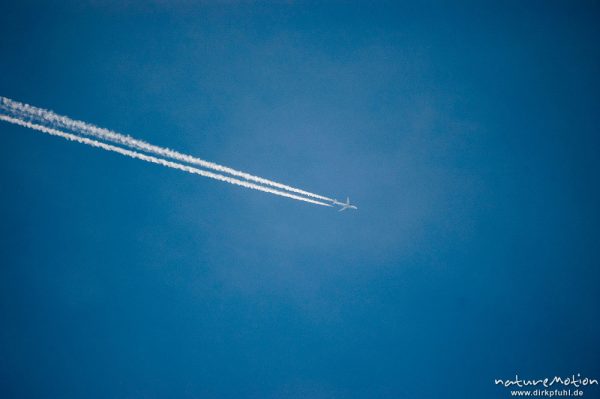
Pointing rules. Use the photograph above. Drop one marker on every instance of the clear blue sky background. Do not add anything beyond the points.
(467, 134)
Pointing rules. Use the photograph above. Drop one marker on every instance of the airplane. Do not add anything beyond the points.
(344, 205)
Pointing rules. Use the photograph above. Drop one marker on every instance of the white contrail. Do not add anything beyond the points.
(25, 111)
(148, 158)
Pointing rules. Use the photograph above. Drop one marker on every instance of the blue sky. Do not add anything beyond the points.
(466, 133)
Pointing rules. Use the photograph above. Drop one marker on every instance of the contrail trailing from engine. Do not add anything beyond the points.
(149, 158)
(28, 112)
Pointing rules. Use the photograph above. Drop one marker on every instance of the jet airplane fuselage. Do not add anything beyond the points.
(344, 205)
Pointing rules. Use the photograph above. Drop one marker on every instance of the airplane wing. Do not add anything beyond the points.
(342, 209)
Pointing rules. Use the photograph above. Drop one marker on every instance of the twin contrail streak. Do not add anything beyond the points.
(149, 158)
(29, 112)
